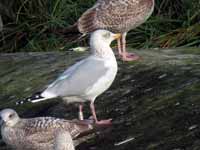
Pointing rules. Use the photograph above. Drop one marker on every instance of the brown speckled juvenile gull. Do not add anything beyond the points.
(63, 141)
(37, 133)
(117, 16)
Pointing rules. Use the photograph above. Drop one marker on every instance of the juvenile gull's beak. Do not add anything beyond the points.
(117, 36)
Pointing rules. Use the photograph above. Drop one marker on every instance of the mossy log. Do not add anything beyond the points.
(154, 103)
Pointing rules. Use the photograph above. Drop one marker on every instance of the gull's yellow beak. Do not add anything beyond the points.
(117, 36)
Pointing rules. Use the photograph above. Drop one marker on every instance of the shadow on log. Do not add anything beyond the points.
(154, 103)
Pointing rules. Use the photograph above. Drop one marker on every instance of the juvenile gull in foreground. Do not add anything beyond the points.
(88, 78)
(117, 16)
(63, 141)
(42, 133)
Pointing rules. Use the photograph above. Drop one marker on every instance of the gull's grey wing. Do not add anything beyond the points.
(78, 80)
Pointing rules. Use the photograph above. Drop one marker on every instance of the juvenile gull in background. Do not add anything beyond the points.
(42, 133)
(88, 78)
(117, 16)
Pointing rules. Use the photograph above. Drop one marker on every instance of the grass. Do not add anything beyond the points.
(28, 24)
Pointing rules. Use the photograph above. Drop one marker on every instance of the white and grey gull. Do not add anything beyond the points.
(41, 133)
(88, 78)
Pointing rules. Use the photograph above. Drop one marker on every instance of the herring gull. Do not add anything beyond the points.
(117, 16)
(42, 133)
(88, 78)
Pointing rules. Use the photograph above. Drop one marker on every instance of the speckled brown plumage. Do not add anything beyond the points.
(36, 133)
(63, 141)
(118, 16)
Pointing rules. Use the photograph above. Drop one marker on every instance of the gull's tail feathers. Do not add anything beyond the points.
(37, 97)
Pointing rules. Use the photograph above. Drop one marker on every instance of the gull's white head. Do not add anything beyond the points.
(9, 117)
(100, 41)
(103, 37)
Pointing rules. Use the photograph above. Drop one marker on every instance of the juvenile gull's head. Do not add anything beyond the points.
(9, 117)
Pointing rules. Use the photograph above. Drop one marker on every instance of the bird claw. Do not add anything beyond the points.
(86, 121)
(104, 122)
(91, 120)
(129, 57)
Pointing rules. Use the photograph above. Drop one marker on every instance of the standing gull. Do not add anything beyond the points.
(42, 133)
(88, 78)
(117, 16)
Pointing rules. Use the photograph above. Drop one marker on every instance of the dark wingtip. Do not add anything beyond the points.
(29, 99)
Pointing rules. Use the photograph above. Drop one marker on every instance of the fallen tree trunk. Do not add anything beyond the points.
(154, 103)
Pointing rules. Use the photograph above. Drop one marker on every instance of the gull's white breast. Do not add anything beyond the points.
(103, 83)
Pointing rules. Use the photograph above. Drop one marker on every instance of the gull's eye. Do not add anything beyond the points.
(11, 115)
(107, 35)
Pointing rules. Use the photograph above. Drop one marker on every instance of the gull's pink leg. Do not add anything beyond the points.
(80, 115)
(125, 55)
(119, 46)
(102, 122)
